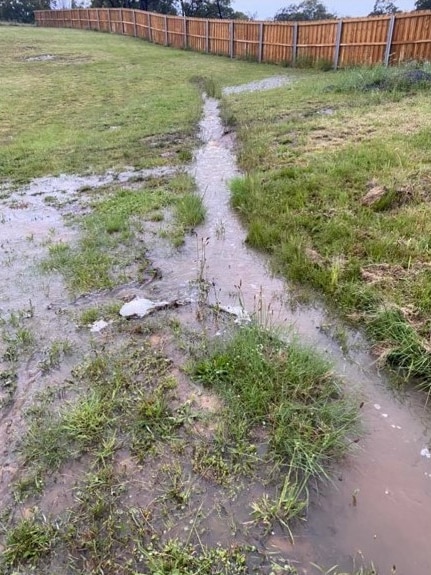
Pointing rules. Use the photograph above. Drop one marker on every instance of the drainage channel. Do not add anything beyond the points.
(378, 507)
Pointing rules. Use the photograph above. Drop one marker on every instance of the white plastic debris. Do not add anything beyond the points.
(377, 406)
(239, 312)
(425, 452)
(141, 307)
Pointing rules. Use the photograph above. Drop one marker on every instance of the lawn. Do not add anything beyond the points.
(337, 190)
(99, 102)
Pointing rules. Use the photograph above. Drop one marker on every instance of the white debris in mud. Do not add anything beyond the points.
(241, 315)
(99, 325)
(377, 406)
(258, 85)
(141, 307)
(425, 452)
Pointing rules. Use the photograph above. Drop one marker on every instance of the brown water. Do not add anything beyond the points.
(379, 506)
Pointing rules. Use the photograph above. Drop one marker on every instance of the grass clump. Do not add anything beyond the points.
(27, 542)
(285, 388)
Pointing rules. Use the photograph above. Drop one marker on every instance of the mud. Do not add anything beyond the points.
(388, 520)
(377, 507)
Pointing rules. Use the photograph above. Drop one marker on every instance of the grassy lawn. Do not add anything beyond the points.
(337, 190)
(101, 102)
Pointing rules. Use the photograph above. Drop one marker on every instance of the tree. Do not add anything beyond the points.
(382, 7)
(162, 6)
(306, 10)
(423, 5)
(209, 9)
(21, 10)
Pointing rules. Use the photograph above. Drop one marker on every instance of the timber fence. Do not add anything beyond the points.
(352, 41)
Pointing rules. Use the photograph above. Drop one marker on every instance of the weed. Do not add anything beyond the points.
(55, 354)
(27, 542)
(287, 506)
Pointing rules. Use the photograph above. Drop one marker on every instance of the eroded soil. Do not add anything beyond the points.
(378, 506)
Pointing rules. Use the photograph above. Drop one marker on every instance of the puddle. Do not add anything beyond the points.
(259, 85)
(379, 506)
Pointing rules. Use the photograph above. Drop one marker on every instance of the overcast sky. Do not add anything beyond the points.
(267, 8)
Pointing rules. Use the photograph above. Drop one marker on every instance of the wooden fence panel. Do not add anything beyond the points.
(383, 39)
(316, 41)
(363, 41)
(128, 22)
(158, 28)
(219, 37)
(197, 38)
(278, 42)
(142, 29)
(176, 37)
(246, 40)
(412, 37)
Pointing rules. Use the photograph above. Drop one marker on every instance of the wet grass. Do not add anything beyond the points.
(336, 190)
(151, 470)
(110, 246)
(97, 104)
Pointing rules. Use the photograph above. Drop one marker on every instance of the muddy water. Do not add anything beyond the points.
(388, 520)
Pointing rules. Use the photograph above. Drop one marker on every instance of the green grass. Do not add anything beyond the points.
(99, 104)
(287, 393)
(312, 152)
(27, 542)
(108, 249)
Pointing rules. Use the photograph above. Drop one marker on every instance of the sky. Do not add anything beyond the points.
(264, 9)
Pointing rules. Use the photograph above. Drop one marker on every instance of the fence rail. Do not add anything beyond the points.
(384, 39)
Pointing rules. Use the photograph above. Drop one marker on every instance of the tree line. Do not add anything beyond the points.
(23, 10)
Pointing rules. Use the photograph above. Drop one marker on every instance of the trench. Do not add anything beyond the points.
(377, 508)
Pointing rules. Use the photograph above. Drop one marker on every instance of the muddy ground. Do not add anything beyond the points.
(173, 484)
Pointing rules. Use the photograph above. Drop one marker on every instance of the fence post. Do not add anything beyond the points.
(337, 43)
(122, 21)
(389, 39)
(79, 18)
(295, 43)
(109, 19)
(260, 53)
(166, 30)
(185, 32)
(231, 40)
(98, 19)
(207, 36)
(150, 32)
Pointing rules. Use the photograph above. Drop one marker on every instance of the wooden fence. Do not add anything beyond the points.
(383, 39)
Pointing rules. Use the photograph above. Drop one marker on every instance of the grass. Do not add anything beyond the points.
(289, 394)
(336, 190)
(268, 383)
(108, 250)
(98, 105)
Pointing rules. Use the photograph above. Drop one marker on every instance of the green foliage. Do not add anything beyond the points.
(21, 10)
(306, 10)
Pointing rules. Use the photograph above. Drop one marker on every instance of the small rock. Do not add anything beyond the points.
(98, 325)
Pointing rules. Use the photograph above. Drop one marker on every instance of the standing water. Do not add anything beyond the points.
(379, 505)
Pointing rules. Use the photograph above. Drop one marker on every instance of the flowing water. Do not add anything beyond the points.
(379, 505)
